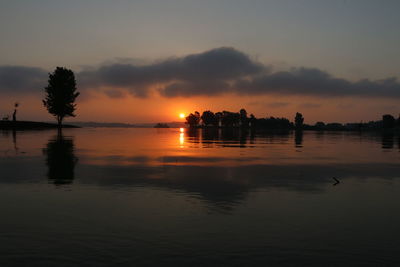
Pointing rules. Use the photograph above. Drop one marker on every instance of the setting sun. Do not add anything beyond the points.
(181, 115)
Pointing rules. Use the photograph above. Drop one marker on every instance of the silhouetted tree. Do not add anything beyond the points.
(298, 120)
(193, 119)
(273, 123)
(208, 117)
(61, 94)
(236, 118)
(252, 121)
(230, 119)
(244, 121)
(388, 121)
(15, 111)
(218, 117)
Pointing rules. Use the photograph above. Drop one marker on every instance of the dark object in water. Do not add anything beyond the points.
(336, 181)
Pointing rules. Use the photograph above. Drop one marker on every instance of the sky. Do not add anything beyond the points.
(149, 61)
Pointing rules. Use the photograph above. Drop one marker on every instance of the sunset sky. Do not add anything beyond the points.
(149, 61)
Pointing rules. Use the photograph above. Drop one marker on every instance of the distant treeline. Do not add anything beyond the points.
(242, 120)
(387, 122)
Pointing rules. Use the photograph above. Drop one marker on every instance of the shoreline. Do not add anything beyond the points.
(30, 125)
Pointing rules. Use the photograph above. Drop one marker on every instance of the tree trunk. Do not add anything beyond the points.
(59, 121)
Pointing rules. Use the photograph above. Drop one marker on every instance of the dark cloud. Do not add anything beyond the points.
(19, 79)
(226, 70)
(188, 89)
(314, 82)
(214, 72)
(207, 73)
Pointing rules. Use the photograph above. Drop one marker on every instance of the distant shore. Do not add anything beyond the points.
(30, 125)
(327, 128)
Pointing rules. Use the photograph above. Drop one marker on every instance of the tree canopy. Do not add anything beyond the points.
(193, 119)
(228, 119)
(298, 120)
(388, 121)
(61, 93)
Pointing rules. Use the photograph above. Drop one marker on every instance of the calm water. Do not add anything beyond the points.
(112, 197)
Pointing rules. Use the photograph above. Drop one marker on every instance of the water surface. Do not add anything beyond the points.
(107, 197)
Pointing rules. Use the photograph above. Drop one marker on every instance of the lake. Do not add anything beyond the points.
(134, 197)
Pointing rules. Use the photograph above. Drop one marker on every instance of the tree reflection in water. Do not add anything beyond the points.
(387, 139)
(60, 159)
(298, 138)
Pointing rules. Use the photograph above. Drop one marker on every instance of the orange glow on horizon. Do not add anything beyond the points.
(95, 106)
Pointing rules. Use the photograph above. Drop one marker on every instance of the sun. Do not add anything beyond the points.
(181, 115)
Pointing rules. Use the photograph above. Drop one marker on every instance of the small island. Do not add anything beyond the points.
(240, 120)
(161, 125)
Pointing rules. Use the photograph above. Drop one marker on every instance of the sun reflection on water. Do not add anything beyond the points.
(181, 137)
